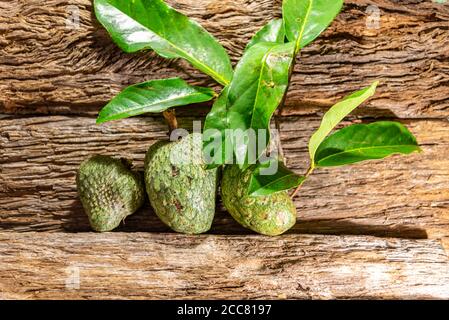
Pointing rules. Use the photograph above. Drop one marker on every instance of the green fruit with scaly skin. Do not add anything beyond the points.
(109, 191)
(270, 215)
(181, 191)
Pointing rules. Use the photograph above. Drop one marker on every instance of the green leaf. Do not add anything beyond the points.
(360, 142)
(152, 24)
(305, 20)
(336, 114)
(284, 179)
(215, 134)
(153, 96)
(273, 31)
(257, 89)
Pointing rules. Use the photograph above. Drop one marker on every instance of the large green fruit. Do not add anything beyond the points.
(269, 215)
(181, 191)
(109, 191)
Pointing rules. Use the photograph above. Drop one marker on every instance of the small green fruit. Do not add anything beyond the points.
(109, 191)
(270, 215)
(181, 191)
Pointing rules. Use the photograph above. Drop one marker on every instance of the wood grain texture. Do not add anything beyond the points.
(399, 197)
(49, 66)
(55, 77)
(167, 266)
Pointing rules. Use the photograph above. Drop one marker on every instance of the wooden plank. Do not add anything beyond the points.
(47, 67)
(399, 197)
(167, 266)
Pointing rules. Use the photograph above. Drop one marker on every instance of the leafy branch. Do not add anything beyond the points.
(251, 94)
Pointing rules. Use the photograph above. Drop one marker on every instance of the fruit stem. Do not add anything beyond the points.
(170, 117)
(308, 173)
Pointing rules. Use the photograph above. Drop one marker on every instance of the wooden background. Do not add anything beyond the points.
(373, 230)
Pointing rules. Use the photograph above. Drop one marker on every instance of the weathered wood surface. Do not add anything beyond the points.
(158, 266)
(399, 197)
(69, 73)
(48, 66)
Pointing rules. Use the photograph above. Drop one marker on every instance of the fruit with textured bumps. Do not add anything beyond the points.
(270, 215)
(109, 191)
(181, 191)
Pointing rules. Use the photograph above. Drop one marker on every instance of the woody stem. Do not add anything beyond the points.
(170, 118)
(308, 173)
